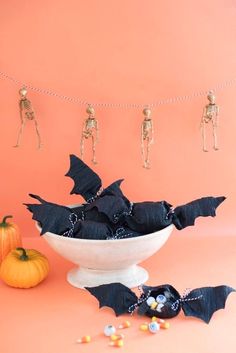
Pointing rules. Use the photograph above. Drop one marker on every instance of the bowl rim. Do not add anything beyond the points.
(105, 241)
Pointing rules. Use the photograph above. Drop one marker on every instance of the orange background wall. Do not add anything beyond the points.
(119, 51)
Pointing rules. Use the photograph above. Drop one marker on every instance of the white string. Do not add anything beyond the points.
(140, 300)
(184, 298)
(76, 100)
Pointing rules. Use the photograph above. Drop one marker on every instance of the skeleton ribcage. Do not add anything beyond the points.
(25, 104)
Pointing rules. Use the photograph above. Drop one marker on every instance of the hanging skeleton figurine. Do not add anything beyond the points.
(210, 115)
(147, 137)
(26, 113)
(90, 130)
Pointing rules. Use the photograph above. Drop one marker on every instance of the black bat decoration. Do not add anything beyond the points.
(52, 217)
(86, 182)
(148, 216)
(110, 214)
(114, 295)
(115, 190)
(185, 215)
(162, 301)
(112, 206)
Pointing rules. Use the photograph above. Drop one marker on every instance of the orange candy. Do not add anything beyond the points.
(117, 343)
(165, 325)
(116, 337)
(159, 321)
(125, 324)
(144, 327)
(84, 339)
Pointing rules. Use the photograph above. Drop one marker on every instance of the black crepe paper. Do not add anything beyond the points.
(199, 302)
(52, 217)
(87, 182)
(109, 214)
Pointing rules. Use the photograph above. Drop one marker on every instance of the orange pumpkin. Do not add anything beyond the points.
(9, 237)
(23, 268)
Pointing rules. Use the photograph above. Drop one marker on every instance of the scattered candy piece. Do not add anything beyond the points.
(125, 324)
(109, 330)
(144, 327)
(84, 339)
(118, 343)
(153, 327)
(165, 325)
(154, 318)
(116, 337)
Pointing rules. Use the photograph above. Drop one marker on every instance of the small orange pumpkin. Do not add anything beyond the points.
(9, 237)
(23, 268)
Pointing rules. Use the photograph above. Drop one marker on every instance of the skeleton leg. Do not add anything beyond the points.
(204, 136)
(94, 150)
(82, 147)
(38, 134)
(23, 122)
(215, 136)
(148, 152)
(145, 153)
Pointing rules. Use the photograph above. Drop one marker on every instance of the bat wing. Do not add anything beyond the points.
(52, 217)
(185, 215)
(114, 295)
(115, 190)
(112, 206)
(86, 182)
(211, 299)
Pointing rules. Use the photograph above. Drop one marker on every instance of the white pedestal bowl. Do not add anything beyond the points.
(106, 261)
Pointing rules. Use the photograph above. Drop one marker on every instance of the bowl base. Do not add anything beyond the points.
(131, 277)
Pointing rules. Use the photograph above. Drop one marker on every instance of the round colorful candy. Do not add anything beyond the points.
(153, 327)
(161, 299)
(84, 339)
(150, 301)
(109, 330)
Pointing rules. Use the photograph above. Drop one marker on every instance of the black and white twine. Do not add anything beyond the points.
(73, 218)
(93, 198)
(121, 105)
(117, 216)
(119, 234)
(143, 297)
(184, 298)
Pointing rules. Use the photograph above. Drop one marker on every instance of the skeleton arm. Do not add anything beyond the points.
(152, 133)
(97, 131)
(203, 117)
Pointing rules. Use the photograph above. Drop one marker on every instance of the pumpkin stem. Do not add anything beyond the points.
(24, 256)
(4, 223)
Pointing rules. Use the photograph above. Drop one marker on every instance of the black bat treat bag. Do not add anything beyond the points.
(108, 214)
(162, 301)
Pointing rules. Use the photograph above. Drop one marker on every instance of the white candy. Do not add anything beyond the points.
(109, 330)
(159, 307)
(150, 300)
(161, 298)
(153, 327)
